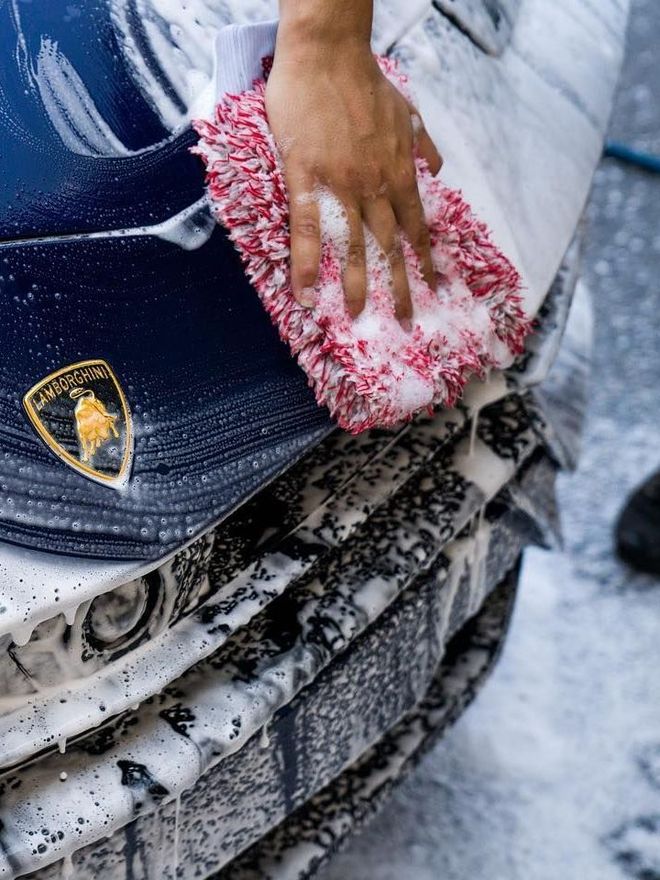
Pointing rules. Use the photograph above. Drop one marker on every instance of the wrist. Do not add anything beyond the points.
(315, 28)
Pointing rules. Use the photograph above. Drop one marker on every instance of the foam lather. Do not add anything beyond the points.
(369, 371)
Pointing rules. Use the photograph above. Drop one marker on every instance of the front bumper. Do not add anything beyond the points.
(298, 847)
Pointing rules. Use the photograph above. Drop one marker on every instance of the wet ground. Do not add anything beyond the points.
(554, 772)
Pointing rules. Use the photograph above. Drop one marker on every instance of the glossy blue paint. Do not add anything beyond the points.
(47, 189)
(218, 404)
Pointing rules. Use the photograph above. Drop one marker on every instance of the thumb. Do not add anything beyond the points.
(424, 146)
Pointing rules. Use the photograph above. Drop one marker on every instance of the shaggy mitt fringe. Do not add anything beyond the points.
(369, 372)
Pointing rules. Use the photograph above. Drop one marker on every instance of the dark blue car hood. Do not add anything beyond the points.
(93, 268)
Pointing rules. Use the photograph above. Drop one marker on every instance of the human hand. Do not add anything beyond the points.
(340, 124)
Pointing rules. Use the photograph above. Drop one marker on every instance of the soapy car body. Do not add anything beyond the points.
(242, 647)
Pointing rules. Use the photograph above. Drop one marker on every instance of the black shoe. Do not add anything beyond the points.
(638, 529)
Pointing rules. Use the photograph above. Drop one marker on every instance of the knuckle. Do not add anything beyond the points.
(355, 256)
(421, 239)
(351, 178)
(307, 273)
(305, 226)
(395, 253)
(370, 183)
(409, 210)
(304, 267)
(411, 200)
(407, 176)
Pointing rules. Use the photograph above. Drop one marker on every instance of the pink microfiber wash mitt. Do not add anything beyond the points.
(369, 371)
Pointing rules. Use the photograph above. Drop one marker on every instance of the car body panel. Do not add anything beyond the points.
(521, 132)
(488, 23)
(328, 599)
(204, 735)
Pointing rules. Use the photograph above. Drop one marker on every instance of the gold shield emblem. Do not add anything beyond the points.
(81, 413)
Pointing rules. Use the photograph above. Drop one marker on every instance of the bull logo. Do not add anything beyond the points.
(81, 413)
(93, 422)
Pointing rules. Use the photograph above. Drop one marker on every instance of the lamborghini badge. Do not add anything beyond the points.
(81, 413)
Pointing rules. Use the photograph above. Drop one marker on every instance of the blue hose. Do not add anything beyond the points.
(624, 153)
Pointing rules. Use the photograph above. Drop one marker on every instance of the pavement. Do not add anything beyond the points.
(554, 772)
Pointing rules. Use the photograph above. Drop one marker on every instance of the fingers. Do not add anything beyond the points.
(305, 239)
(428, 151)
(379, 217)
(355, 269)
(425, 147)
(409, 214)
